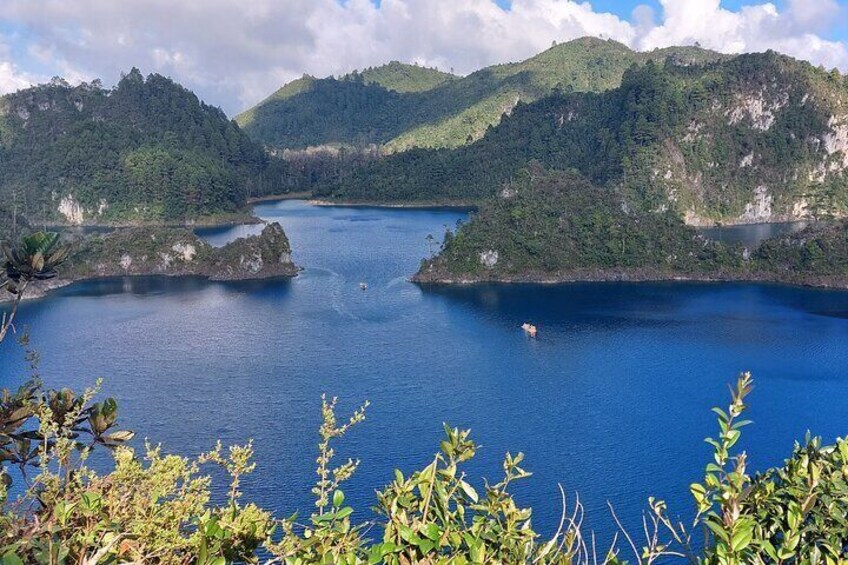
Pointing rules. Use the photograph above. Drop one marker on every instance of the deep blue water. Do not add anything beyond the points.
(612, 400)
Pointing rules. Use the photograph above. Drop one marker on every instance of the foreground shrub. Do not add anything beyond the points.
(157, 508)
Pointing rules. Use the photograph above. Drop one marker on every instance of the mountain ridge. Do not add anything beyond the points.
(755, 138)
(450, 113)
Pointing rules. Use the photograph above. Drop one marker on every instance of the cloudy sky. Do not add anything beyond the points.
(235, 52)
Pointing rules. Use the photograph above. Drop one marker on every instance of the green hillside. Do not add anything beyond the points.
(756, 138)
(401, 77)
(146, 150)
(401, 106)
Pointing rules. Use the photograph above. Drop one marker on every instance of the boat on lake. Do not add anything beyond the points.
(529, 329)
(363, 286)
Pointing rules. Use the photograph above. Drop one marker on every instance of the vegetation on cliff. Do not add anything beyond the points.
(404, 106)
(759, 137)
(147, 149)
(552, 225)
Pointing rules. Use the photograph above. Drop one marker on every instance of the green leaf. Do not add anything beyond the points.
(432, 531)
(338, 498)
(742, 539)
(721, 414)
(469, 491)
(718, 530)
(12, 559)
(426, 546)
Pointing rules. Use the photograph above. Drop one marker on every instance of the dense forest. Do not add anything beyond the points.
(759, 137)
(147, 149)
(556, 225)
(401, 106)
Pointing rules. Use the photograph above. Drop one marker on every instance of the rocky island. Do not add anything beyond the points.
(173, 252)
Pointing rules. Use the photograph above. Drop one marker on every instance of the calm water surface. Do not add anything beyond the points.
(753, 234)
(612, 400)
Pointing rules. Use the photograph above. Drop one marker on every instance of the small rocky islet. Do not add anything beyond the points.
(165, 251)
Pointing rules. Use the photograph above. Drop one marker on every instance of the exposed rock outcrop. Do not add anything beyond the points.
(262, 256)
(174, 252)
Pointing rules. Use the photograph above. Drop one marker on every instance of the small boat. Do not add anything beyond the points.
(529, 329)
(363, 286)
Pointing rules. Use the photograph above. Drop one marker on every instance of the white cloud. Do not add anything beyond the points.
(12, 78)
(235, 52)
(755, 27)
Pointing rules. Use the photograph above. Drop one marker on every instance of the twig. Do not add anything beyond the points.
(623, 531)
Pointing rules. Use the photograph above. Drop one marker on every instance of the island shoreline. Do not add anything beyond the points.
(435, 205)
(819, 282)
(43, 289)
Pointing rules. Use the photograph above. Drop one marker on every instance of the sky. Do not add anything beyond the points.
(233, 53)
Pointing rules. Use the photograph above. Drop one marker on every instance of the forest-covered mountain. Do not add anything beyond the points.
(401, 106)
(146, 149)
(755, 138)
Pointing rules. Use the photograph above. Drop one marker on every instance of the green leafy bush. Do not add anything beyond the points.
(157, 508)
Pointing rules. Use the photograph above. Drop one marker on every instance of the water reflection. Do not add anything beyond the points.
(751, 235)
(173, 286)
(219, 236)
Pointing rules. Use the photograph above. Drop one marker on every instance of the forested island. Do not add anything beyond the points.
(553, 226)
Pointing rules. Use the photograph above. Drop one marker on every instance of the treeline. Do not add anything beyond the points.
(585, 131)
(555, 225)
(146, 149)
(356, 112)
(341, 111)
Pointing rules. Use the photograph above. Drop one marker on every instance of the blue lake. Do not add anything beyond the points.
(612, 400)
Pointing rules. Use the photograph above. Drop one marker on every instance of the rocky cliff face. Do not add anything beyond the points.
(175, 252)
(770, 144)
(262, 256)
